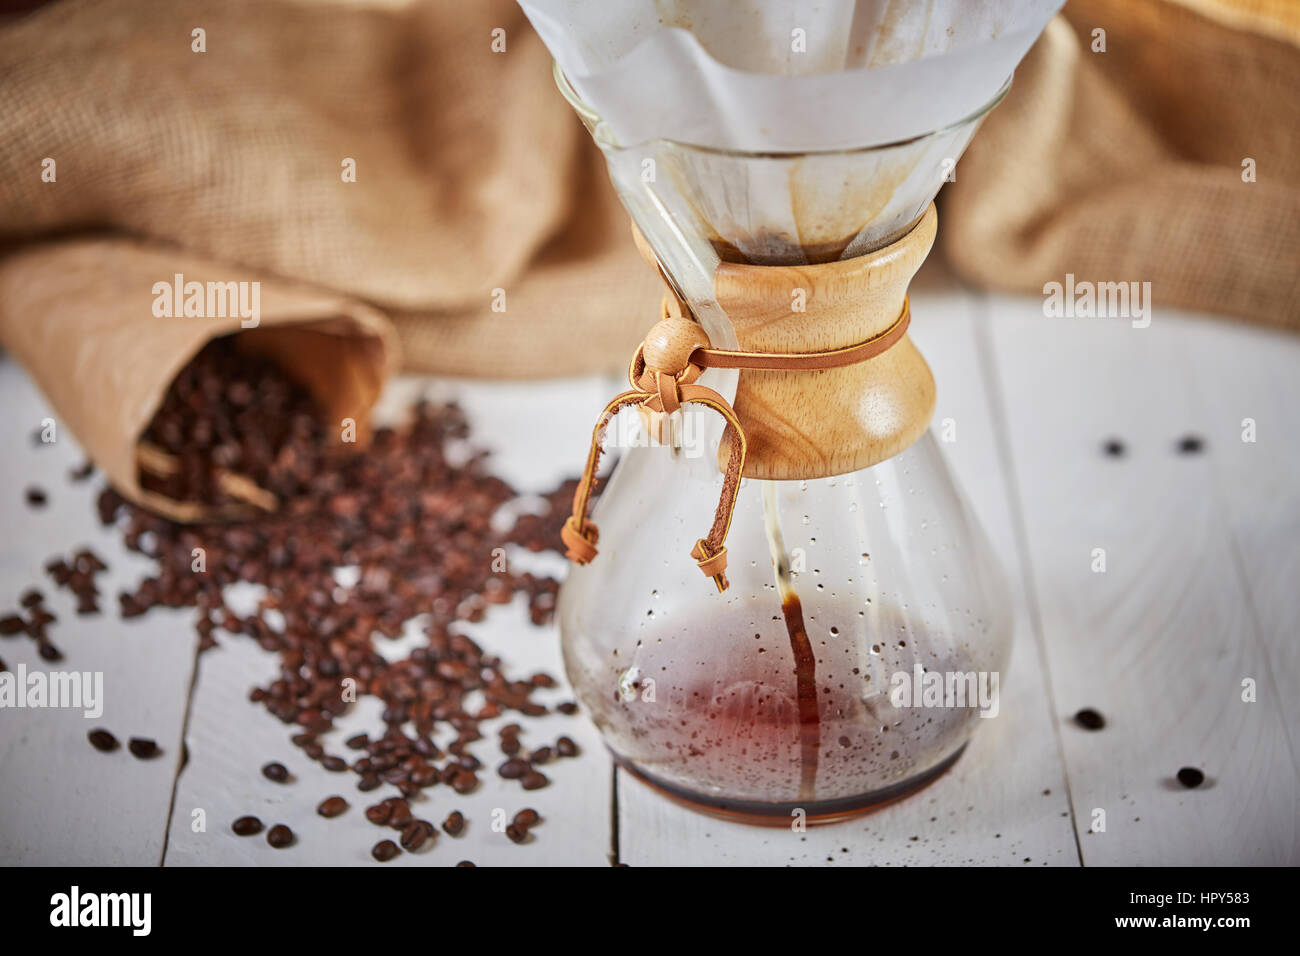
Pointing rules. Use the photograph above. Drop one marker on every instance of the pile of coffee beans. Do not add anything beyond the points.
(415, 529)
(227, 411)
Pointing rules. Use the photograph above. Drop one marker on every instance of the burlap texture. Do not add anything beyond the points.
(1127, 165)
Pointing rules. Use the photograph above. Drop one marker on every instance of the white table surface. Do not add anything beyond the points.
(1201, 592)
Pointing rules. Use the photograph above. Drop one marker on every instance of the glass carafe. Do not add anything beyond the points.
(865, 627)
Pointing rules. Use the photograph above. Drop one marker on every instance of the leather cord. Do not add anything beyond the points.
(664, 389)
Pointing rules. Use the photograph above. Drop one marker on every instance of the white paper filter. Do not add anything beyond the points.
(786, 75)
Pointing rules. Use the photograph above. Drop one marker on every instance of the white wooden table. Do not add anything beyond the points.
(1201, 593)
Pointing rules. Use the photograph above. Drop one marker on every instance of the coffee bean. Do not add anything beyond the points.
(1190, 445)
(379, 814)
(385, 850)
(525, 818)
(276, 772)
(400, 816)
(464, 782)
(513, 769)
(517, 833)
(568, 708)
(1089, 719)
(247, 826)
(1190, 777)
(565, 747)
(49, 652)
(1113, 447)
(12, 624)
(534, 780)
(279, 836)
(415, 834)
(31, 597)
(358, 742)
(143, 748)
(540, 755)
(103, 741)
(36, 497)
(332, 807)
(510, 746)
(465, 863)
(454, 825)
(334, 764)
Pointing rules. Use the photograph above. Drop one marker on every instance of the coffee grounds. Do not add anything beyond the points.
(412, 525)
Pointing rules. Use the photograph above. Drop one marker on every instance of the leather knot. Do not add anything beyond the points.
(712, 563)
(579, 542)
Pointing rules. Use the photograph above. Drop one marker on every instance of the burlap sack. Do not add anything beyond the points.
(96, 349)
(1127, 165)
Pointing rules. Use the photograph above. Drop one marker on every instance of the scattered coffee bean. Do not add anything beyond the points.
(358, 742)
(31, 597)
(1190, 445)
(454, 825)
(534, 780)
(1190, 777)
(464, 782)
(379, 814)
(103, 741)
(36, 497)
(526, 818)
(279, 836)
(465, 863)
(565, 747)
(247, 826)
(334, 764)
(385, 850)
(49, 652)
(332, 807)
(569, 708)
(517, 833)
(1089, 719)
(83, 471)
(415, 834)
(513, 769)
(1113, 447)
(12, 624)
(143, 747)
(276, 772)
(400, 816)
(540, 755)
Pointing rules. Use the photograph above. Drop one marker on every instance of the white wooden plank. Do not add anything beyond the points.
(1004, 802)
(1161, 641)
(1244, 372)
(64, 803)
(537, 434)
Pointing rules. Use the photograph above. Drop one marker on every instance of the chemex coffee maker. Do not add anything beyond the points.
(781, 603)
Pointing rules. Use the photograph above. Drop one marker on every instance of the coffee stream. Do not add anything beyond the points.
(805, 662)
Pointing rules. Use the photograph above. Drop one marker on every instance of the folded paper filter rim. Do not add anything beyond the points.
(766, 113)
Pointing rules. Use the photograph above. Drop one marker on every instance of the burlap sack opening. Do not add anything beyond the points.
(93, 344)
